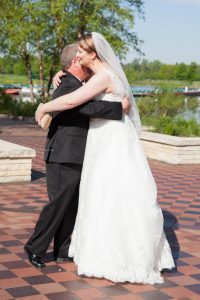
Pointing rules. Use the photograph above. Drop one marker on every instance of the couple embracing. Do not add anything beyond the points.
(110, 224)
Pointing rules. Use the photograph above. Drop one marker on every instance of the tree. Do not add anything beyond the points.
(14, 19)
(154, 69)
(38, 27)
(181, 71)
(44, 27)
(193, 72)
(166, 71)
(115, 19)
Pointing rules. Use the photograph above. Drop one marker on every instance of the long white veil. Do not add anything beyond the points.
(108, 57)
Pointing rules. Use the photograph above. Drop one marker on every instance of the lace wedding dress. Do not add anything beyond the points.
(118, 233)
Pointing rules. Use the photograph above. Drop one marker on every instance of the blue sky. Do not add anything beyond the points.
(171, 31)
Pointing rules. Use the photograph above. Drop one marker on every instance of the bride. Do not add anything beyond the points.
(118, 233)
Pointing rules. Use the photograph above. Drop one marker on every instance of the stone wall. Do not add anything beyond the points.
(171, 149)
(15, 162)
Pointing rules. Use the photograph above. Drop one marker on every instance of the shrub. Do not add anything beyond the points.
(17, 108)
(163, 113)
(165, 104)
(5, 103)
(176, 127)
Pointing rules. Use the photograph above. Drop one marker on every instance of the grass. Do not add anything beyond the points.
(16, 79)
(176, 126)
(168, 84)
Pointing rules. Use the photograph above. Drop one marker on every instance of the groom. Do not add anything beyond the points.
(64, 153)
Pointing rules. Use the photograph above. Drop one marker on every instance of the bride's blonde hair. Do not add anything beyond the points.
(86, 42)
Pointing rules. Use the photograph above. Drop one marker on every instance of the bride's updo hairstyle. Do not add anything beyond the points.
(86, 43)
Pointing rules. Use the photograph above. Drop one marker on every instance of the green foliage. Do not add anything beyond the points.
(163, 114)
(181, 71)
(41, 28)
(48, 25)
(172, 126)
(17, 108)
(5, 103)
(18, 68)
(167, 84)
(164, 104)
(177, 127)
(143, 69)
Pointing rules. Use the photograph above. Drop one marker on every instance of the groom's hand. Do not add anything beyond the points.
(126, 105)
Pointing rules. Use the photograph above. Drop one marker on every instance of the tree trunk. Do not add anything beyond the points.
(29, 73)
(51, 74)
(40, 59)
(58, 46)
(82, 22)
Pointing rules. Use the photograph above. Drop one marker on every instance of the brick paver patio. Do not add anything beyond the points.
(20, 203)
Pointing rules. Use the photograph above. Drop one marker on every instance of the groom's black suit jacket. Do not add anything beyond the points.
(66, 139)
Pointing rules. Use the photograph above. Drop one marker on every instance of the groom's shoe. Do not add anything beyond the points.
(35, 260)
(64, 259)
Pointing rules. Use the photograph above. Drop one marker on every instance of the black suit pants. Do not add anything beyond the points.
(57, 218)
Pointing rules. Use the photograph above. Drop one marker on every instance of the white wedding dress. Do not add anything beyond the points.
(118, 233)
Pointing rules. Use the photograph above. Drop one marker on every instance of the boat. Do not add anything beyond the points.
(27, 90)
(142, 91)
(10, 91)
(191, 92)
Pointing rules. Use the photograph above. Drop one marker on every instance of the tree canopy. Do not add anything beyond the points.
(42, 28)
(144, 69)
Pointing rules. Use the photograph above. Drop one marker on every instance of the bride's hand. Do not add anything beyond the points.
(126, 105)
(39, 113)
(56, 79)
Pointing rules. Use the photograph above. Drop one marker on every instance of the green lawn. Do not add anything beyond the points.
(168, 84)
(15, 79)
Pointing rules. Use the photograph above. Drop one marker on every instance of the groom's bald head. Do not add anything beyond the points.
(67, 55)
(70, 63)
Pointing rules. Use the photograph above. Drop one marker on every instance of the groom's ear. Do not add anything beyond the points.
(75, 62)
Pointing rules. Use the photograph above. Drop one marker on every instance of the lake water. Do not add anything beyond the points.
(190, 114)
(187, 114)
